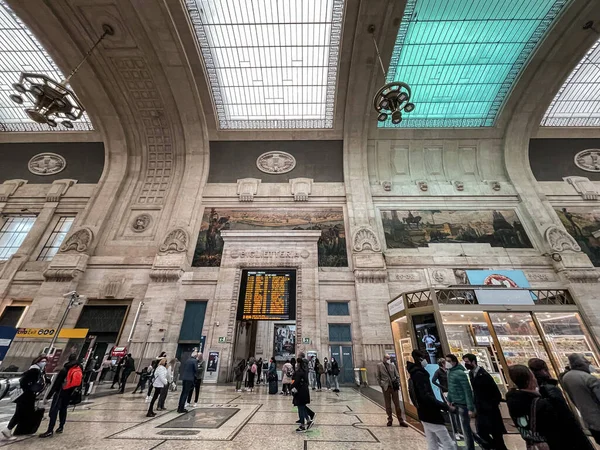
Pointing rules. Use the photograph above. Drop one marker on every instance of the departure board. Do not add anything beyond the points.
(267, 295)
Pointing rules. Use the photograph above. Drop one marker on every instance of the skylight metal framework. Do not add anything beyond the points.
(462, 57)
(577, 103)
(270, 63)
(20, 51)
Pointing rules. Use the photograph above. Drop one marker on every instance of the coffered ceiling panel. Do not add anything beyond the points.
(270, 63)
(20, 51)
(577, 103)
(462, 57)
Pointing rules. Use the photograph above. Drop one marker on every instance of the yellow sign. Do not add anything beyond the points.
(44, 333)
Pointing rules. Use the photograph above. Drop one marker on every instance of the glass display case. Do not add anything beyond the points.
(566, 334)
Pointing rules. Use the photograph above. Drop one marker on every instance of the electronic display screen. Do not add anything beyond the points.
(267, 295)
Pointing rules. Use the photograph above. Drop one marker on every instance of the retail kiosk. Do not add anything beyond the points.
(502, 326)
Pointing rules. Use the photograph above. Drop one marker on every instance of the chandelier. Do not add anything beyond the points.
(48, 101)
(393, 98)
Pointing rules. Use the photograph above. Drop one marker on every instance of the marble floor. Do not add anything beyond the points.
(226, 420)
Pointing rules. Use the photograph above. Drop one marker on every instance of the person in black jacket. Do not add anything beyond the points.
(548, 425)
(429, 408)
(61, 397)
(550, 391)
(31, 382)
(301, 394)
(487, 398)
(128, 367)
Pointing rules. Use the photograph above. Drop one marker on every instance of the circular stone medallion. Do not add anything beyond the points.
(141, 222)
(46, 164)
(588, 160)
(276, 162)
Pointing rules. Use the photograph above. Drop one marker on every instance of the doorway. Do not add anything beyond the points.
(343, 355)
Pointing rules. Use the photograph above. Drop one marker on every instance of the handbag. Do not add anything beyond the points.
(394, 380)
(539, 443)
(15, 394)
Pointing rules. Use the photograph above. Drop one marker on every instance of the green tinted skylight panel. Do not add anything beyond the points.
(462, 57)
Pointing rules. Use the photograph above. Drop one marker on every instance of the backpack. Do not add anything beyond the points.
(253, 368)
(74, 378)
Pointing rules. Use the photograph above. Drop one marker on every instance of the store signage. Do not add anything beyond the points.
(118, 352)
(7, 334)
(65, 333)
(507, 297)
(396, 306)
(213, 361)
(500, 278)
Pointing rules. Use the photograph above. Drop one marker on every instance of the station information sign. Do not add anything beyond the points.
(267, 295)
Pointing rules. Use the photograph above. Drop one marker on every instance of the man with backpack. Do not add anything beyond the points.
(68, 380)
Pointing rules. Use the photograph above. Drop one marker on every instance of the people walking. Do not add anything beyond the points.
(197, 380)
(389, 381)
(31, 383)
(188, 376)
(318, 373)
(460, 395)
(117, 376)
(429, 408)
(548, 389)
(287, 372)
(160, 382)
(105, 368)
(272, 376)
(537, 420)
(301, 394)
(238, 373)
(258, 377)
(144, 377)
(128, 367)
(68, 379)
(327, 373)
(335, 372)
(486, 398)
(584, 391)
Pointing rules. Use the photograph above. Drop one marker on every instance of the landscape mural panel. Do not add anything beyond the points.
(331, 245)
(584, 225)
(412, 229)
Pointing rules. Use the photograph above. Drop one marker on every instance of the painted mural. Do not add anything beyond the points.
(584, 225)
(331, 245)
(412, 229)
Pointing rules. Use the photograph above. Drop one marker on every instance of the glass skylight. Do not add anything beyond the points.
(20, 52)
(461, 57)
(577, 103)
(270, 63)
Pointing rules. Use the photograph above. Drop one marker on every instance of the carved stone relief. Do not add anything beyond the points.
(58, 189)
(141, 223)
(301, 188)
(247, 188)
(370, 276)
(584, 187)
(495, 185)
(405, 276)
(588, 160)
(438, 276)
(175, 242)
(47, 164)
(422, 185)
(79, 241)
(9, 187)
(365, 239)
(276, 162)
(387, 186)
(459, 186)
(560, 240)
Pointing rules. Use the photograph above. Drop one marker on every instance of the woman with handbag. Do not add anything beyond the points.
(272, 376)
(31, 384)
(539, 421)
(301, 395)
(159, 382)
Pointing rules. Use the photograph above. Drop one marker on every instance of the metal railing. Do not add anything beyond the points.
(468, 296)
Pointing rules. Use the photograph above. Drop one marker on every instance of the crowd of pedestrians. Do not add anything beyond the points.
(469, 394)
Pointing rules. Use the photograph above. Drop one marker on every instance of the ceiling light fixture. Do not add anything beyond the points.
(48, 101)
(393, 98)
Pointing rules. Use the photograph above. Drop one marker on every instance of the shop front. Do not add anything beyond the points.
(501, 326)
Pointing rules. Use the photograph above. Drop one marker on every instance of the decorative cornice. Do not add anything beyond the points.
(58, 189)
(370, 276)
(166, 275)
(582, 276)
(365, 239)
(61, 275)
(560, 241)
(175, 242)
(9, 187)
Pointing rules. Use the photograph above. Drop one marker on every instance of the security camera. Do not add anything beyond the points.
(69, 294)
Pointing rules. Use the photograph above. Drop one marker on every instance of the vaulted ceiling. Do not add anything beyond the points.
(250, 69)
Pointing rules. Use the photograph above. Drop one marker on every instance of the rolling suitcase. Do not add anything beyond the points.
(32, 424)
